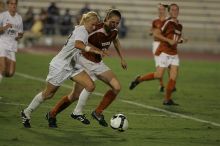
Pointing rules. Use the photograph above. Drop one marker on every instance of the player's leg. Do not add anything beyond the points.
(87, 86)
(47, 93)
(147, 77)
(168, 71)
(66, 100)
(156, 58)
(2, 67)
(54, 80)
(171, 85)
(10, 65)
(110, 79)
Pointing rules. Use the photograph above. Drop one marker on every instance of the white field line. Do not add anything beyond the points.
(134, 103)
(112, 112)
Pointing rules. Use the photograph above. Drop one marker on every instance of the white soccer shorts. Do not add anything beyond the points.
(57, 76)
(165, 60)
(8, 54)
(92, 68)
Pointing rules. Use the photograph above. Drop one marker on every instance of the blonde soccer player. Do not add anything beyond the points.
(105, 34)
(64, 65)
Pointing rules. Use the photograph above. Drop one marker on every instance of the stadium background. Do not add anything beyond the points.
(200, 19)
(194, 123)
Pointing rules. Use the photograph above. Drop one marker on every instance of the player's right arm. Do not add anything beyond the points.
(3, 28)
(157, 34)
(80, 45)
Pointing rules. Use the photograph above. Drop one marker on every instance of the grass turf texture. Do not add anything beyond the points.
(197, 93)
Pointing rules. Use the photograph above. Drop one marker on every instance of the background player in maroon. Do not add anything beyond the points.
(169, 35)
(157, 24)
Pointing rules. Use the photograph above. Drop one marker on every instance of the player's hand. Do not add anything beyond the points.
(97, 51)
(123, 64)
(183, 40)
(172, 42)
(8, 25)
(20, 35)
(105, 53)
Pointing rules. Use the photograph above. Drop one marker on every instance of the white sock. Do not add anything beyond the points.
(81, 102)
(38, 99)
(1, 77)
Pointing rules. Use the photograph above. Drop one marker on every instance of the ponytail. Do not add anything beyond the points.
(88, 16)
(111, 13)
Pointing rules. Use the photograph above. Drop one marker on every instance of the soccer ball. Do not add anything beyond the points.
(119, 122)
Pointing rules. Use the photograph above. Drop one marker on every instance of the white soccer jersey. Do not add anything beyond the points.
(7, 38)
(65, 58)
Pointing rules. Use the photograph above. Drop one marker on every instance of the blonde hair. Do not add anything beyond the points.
(88, 16)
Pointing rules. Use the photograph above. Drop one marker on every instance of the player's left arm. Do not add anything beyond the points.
(118, 47)
(182, 40)
(20, 31)
(19, 36)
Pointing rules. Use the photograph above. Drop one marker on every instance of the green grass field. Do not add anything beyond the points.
(196, 122)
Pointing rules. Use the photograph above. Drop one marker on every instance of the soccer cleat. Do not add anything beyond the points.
(170, 102)
(52, 122)
(81, 118)
(134, 83)
(25, 120)
(100, 118)
(161, 88)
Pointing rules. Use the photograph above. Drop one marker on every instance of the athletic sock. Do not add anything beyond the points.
(106, 101)
(161, 82)
(62, 104)
(35, 103)
(171, 84)
(81, 102)
(147, 77)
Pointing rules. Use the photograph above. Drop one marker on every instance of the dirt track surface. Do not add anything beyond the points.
(131, 53)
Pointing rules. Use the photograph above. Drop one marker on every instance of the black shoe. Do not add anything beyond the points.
(100, 118)
(134, 83)
(25, 120)
(52, 122)
(161, 88)
(170, 102)
(81, 118)
(174, 89)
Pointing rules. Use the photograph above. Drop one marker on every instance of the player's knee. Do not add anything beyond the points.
(90, 87)
(47, 95)
(73, 97)
(117, 89)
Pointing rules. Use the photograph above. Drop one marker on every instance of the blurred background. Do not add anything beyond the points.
(49, 22)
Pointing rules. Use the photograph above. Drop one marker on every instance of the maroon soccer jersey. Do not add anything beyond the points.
(100, 39)
(157, 24)
(171, 30)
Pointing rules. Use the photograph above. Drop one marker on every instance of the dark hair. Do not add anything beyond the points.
(9, 1)
(164, 5)
(173, 4)
(111, 13)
